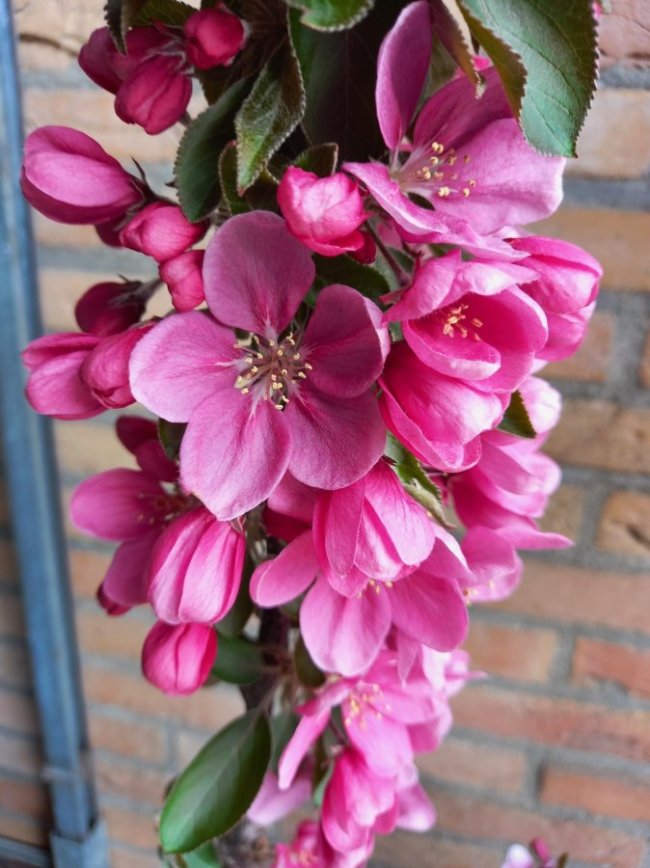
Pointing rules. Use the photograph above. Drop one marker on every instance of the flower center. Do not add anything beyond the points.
(435, 171)
(365, 700)
(455, 321)
(271, 370)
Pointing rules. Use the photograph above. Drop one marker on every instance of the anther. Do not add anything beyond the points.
(302, 375)
(466, 192)
(296, 356)
(309, 367)
(477, 322)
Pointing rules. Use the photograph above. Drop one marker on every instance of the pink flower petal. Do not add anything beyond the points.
(126, 581)
(307, 733)
(118, 504)
(430, 609)
(286, 576)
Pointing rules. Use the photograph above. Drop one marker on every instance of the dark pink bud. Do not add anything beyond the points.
(367, 254)
(109, 308)
(97, 59)
(155, 94)
(183, 275)
(177, 659)
(110, 606)
(162, 231)
(55, 386)
(324, 213)
(69, 177)
(106, 370)
(213, 37)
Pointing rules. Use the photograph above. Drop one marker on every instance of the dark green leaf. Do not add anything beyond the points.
(120, 15)
(319, 159)
(306, 669)
(204, 856)
(415, 480)
(238, 660)
(516, 419)
(283, 726)
(197, 163)
(260, 196)
(344, 269)
(546, 53)
(339, 71)
(173, 12)
(332, 14)
(218, 786)
(170, 435)
(270, 113)
(448, 31)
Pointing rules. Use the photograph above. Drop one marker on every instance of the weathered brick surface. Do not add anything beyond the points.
(604, 794)
(591, 364)
(521, 654)
(625, 525)
(624, 33)
(596, 662)
(478, 765)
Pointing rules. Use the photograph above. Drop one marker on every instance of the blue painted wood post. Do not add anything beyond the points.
(78, 839)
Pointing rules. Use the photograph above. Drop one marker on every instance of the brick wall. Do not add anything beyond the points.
(557, 742)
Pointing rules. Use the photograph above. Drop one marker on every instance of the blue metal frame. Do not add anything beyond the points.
(78, 839)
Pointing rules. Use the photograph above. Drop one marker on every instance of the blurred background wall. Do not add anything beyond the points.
(557, 742)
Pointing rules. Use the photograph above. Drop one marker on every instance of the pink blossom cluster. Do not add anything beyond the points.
(285, 391)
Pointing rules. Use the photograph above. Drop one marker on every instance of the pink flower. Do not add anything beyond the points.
(162, 231)
(565, 286)
(184, 279)
(178, 659)
(106, 370)
(56, 386)
(213, 37)
(437, 417)
(324, 213)
(472, 322)
(468, 157)
(276, 401)
(272, 804)
(537, 856)
(151, 82)
(110, 308)
(310, 848)
(68, 177)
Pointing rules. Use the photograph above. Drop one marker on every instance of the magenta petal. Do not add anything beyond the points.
(256, 273)
(287, 575)
(402, 67)
(306, 734)
(184, 359)
(125, 582)
(337, 518)
(342, 343)
(339, 438)
(429, 609)
(495, 564)
(371, 733)
(178, 659)
(342, 634)
(234, 452)
(117, 504)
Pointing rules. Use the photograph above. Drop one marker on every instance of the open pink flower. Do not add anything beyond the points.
(468, 158)
(178, 659)
(324, 213)
(310, 848)
(69, 177)
(278, 400)
(471, 321)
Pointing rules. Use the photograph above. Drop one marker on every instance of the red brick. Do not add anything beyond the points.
(404, 850)
(14, 665)
(144, 786)
(12, 622)
(596, 660)
(210, 708)
(522, 654)
(18, 754)
(129, 859)
(591, 363)
(603, 435)
(624, 526)
(486, 818)
(616, 238)
(87, 569)
(128, 827)
(111, 637)
(601, 794)
(84, 448)
(24, 797)
(49, 233)
(24, 829)
(577, 595)
(133, 738)
(8, 564)
(478, 765)
(623, 34)
(565, 512)
(560, 722)
(18, 713)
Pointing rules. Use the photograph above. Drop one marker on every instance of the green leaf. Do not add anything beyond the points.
(545, 52)
(516, 419)
(197, 162)
(306, 669)
(449, 32)
(283, 726)
(119, 16)
(319, 159)
(415, 480)
(172, 12)
(269, 115)
(332, 14)
(204, 856)
(339, 72)
(344, 269)
(218, 786)
(238, 660)
(262, 195)
(170, 435)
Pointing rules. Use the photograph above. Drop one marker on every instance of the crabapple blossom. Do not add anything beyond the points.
(213, 37)
(110, 308)
(161, 230)
(184, 279)
(178, 658)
